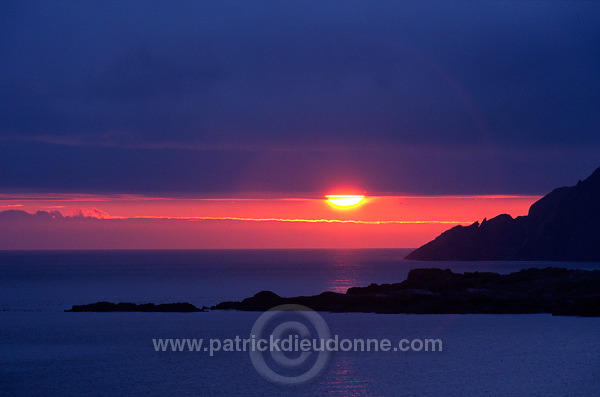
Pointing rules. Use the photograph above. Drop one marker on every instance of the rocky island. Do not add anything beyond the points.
(180, 307)
(561, 226)
(557, 291)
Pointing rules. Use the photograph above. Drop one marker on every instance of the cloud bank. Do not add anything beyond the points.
(205, 97)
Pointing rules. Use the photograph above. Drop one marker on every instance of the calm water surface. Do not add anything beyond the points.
(48, 352)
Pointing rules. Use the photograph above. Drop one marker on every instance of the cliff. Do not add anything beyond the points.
(564, 225)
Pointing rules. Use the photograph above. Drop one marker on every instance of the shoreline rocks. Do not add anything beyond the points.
(552, 290)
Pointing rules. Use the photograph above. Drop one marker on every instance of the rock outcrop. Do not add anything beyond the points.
(562, 226)
(435, 291)
(132, 307)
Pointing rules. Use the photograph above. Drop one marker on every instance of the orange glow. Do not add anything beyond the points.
(345, 201)
(304, 221)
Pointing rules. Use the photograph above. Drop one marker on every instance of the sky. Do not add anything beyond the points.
(134, 111)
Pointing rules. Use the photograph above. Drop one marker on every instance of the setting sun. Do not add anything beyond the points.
(345, 200)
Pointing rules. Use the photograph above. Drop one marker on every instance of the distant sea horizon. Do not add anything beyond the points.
(203, 249)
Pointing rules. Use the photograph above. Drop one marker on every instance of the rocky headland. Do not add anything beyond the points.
(564, 225)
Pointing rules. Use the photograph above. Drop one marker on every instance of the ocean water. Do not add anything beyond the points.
(45, 351)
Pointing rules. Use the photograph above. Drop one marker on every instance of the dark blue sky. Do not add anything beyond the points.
(225, 97)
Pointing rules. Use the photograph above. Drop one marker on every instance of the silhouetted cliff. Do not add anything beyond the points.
(563, 225)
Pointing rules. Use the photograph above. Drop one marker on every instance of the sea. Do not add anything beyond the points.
(45, 351)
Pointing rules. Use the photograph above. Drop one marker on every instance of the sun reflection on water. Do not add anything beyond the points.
(346, 381)
(344, 270)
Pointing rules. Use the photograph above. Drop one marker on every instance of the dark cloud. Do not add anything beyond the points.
(19, 215)
(206, 96)
(419, 170)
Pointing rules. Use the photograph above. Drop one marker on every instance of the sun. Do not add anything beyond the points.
(344, 201)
